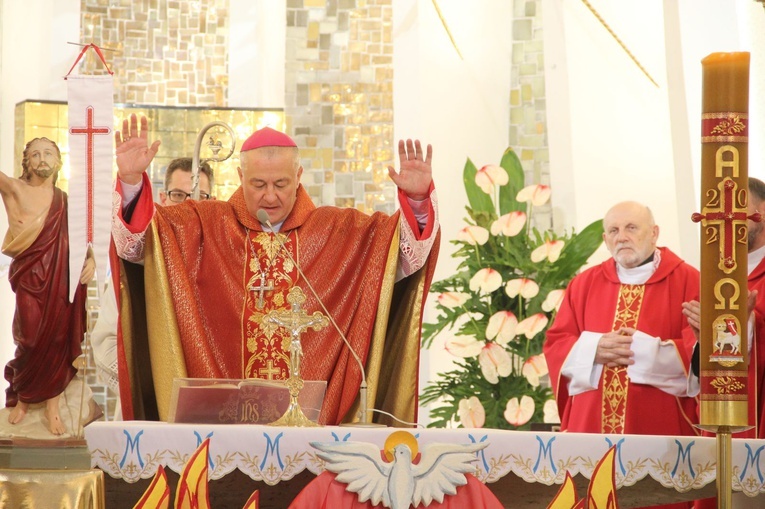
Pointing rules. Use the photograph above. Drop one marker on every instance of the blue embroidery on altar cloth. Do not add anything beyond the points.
(273, 447)
(618, 453)
(545, 450)
(130, 445)
(199, 442)
(481, 452)
(752, 458)
(684, 454)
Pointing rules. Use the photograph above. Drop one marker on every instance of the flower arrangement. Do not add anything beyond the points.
(509, 285)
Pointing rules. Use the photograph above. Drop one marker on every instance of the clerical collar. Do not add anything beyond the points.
(640, 274)
(277, 227)
(755, 257)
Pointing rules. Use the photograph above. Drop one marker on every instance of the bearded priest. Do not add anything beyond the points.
(213, 271)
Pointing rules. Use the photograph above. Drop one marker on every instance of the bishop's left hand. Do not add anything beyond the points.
(415, 174)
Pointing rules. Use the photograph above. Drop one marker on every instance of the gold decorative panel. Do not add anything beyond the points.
(528, 105)
(339, 99)
(169, 52)
(177, 128)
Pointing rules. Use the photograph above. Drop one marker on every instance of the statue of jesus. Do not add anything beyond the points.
(47, 329)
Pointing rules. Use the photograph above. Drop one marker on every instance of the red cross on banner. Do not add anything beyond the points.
(89, 131)
(91, 156)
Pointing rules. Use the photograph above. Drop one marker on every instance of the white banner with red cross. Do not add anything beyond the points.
(91, 156)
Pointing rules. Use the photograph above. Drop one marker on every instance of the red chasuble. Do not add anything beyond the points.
(596, 301)
(48, 330)
(207, 265)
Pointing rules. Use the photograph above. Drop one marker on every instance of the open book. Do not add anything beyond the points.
(231, 401)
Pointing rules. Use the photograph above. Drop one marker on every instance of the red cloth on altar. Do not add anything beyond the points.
(342, 252)
(589, 305)
(47, 329)
(325, 492)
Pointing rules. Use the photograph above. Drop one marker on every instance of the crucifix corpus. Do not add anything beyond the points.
(296, 321)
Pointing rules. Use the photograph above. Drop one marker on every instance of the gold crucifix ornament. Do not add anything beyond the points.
(296, 321)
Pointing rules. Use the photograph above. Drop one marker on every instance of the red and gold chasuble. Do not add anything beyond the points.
(615, 381)
(269, 276)
(206, 266)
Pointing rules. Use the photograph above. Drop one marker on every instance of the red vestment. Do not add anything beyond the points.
(47, 329)
(200, 266)
(756, 281)
(590, 305)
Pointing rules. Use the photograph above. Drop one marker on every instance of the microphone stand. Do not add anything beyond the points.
(363, 409)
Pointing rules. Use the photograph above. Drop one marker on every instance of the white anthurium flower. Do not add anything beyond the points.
(510, 224)
(471, 413)
(452, 300)
(489, 176)
(553, 300)
(463, 346)
(473, 235)
(532, 325)
(502, 327)
(517, 412)
(550, 412)
(536, 194)
(527, 288)
(535, 368)
(495, 362)
(486, 280)
(550, 249)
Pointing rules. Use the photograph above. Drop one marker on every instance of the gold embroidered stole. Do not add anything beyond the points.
(265, 350)
(615, 381)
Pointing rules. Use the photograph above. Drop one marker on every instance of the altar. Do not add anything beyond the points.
(523, 469)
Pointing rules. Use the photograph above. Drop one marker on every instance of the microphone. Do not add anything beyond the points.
(363, 410)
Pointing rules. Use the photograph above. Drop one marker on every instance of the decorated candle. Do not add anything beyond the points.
(723, 217)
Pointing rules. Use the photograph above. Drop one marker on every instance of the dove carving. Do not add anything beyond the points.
(399, 484)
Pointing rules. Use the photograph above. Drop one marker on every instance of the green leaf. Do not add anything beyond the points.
(577, 250)
(517, 179)
(479, 201)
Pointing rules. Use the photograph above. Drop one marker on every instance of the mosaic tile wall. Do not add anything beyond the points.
(339, 99)
(166, 52)
(528, 110)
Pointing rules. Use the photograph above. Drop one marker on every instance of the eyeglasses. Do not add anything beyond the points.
(178, 196)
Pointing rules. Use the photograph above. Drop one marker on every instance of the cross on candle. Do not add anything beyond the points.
(725, 217)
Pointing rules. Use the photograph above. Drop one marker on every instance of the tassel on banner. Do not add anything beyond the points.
(91, 156)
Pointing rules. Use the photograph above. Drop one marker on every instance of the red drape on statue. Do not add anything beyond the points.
(47, 329)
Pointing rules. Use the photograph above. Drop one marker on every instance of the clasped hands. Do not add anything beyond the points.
(614, 348)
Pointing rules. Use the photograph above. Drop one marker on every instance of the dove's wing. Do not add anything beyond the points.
(441, 469)
(359, 466)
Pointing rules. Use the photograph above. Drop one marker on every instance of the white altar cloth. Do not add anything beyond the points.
(132, 450)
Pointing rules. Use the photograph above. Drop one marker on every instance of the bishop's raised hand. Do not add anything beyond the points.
(415, 174)
(134, 155)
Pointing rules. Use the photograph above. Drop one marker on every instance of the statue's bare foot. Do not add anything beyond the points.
(55, 425)
(18, 413)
